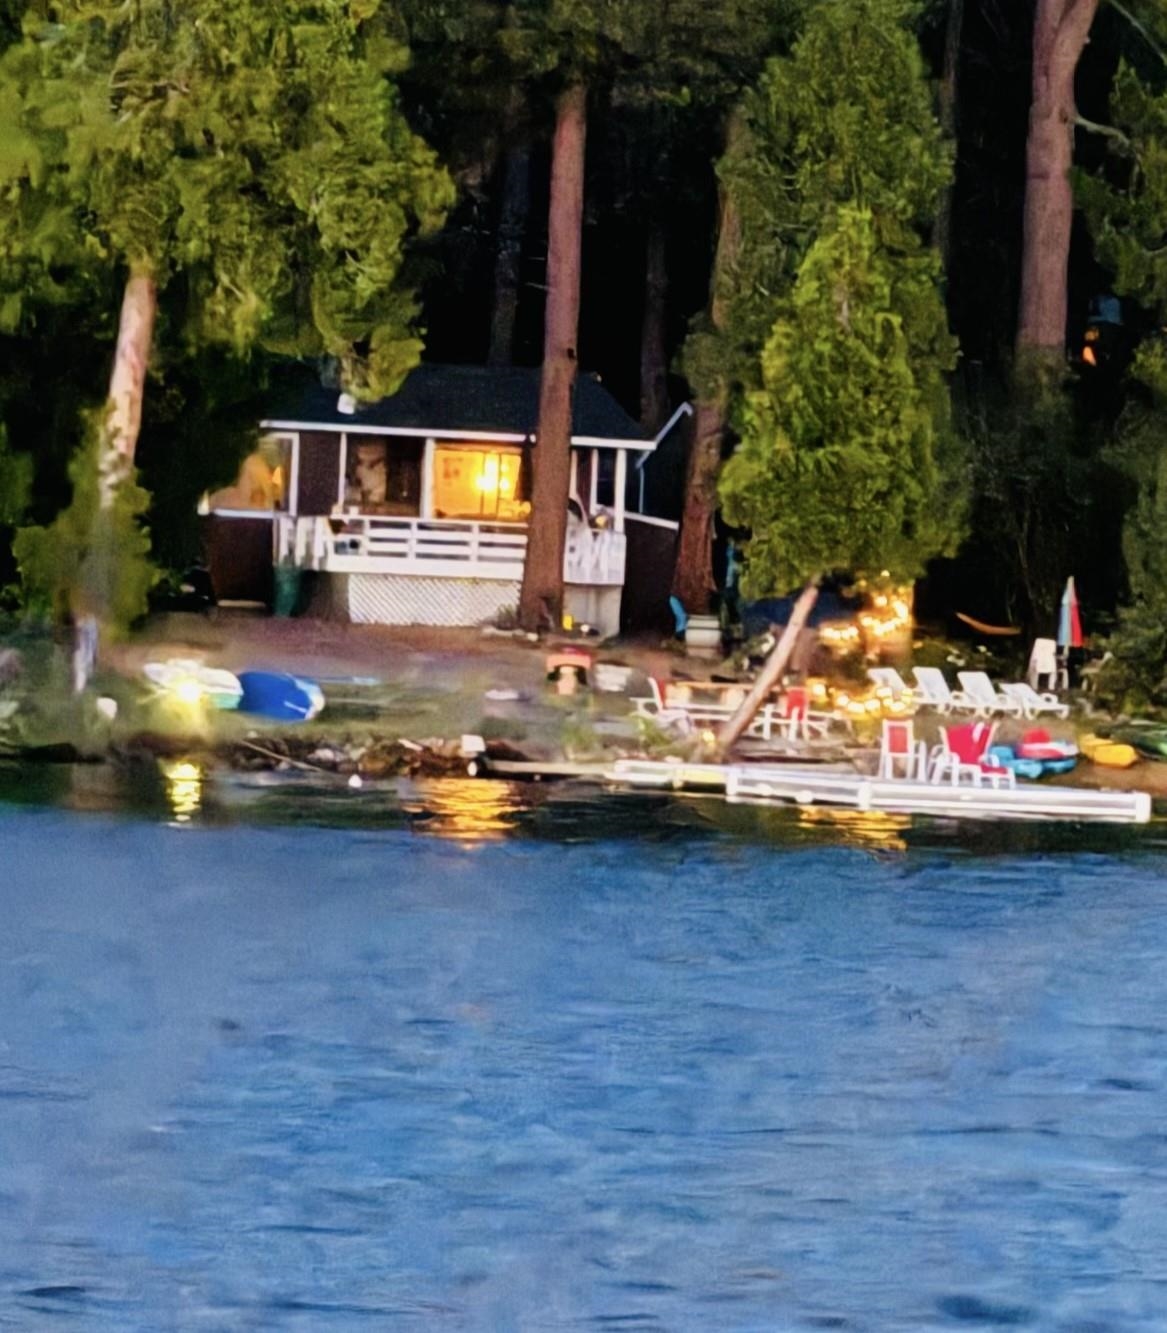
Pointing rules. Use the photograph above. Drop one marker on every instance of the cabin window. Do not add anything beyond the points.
(480, 483)
(263, 480)
(383, 475)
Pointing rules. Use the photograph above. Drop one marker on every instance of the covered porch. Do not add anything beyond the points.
(414, 515)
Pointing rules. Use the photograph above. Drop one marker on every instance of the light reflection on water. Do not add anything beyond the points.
(465, 809)
(875, 828)
(184, 788)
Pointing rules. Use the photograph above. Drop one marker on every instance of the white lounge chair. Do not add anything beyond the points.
(888, 678)
(932, 692)
(1034, 704)
(985, 695)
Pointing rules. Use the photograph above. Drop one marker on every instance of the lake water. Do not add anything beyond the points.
(466, 1060)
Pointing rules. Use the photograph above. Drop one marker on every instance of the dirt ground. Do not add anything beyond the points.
(406, 655)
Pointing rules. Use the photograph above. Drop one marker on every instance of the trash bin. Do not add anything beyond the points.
(286, 597)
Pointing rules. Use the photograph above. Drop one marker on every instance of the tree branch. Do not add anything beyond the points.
(1140, 28)
(1107, 131)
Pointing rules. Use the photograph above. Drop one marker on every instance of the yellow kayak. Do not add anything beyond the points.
(1108, 753)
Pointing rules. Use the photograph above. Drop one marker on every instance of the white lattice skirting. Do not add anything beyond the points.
(403, 599)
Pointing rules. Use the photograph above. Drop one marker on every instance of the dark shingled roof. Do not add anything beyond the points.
(435, 398)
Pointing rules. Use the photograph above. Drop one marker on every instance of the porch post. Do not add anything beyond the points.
(342, 471)
(427, 479)
(294, 478)
(593, 480)
(621, 485)
(573, 488)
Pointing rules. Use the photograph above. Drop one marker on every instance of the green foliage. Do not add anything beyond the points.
(15, 482)
(832, 123)
(834, 331)
(845, 460)
(1127, 211)
(1127, 207)
(1033, 479)
(88, 559)
(1138, 674)
(257, 145)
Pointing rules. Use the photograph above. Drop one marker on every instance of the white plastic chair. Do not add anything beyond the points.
(1046, 666)
(932, 692)
(988, 699)
(1034, 704)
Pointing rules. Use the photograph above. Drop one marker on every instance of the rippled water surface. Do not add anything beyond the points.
(460, 1060)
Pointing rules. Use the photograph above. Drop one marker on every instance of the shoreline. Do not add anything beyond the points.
(401, 699)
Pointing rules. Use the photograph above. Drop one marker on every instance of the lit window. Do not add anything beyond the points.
(479, 483)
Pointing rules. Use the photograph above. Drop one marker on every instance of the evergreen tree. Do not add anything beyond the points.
(819, 180)
(841, 463)
(255, 148)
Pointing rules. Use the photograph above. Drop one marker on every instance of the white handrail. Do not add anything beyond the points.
(373, 543)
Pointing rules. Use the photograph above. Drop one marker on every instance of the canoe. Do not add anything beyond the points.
(1108, 752)
(1150, 741)
(277, 695)
(193, 683)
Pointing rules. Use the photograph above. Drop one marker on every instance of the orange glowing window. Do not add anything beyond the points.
(480, 483)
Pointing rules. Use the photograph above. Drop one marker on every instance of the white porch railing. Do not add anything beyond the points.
(450, 548)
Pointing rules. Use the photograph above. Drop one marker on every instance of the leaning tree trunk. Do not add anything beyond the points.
(654, 383)
(693, 581)
(1060, 31)
(512, 227)
(115, 458)
(541, 598)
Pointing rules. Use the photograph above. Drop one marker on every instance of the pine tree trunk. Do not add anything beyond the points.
(949, 101)
(119, 439)
(541, 598)
(1060, 31)
(127, 382)
(654, 384)
(693, 581)
(512, 226)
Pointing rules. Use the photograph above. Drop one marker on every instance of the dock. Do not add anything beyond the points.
(826, 785)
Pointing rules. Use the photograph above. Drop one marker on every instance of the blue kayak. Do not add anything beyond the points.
(277, 695)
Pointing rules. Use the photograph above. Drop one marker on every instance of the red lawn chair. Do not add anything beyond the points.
(962, 755)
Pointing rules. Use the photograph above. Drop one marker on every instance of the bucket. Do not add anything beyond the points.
(286, 592)
(703, 635)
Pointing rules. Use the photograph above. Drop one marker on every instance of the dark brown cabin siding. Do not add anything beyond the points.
(649, 574)
(239, 557)
(319, 484)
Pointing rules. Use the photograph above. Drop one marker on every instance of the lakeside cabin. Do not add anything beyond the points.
(413, 510)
